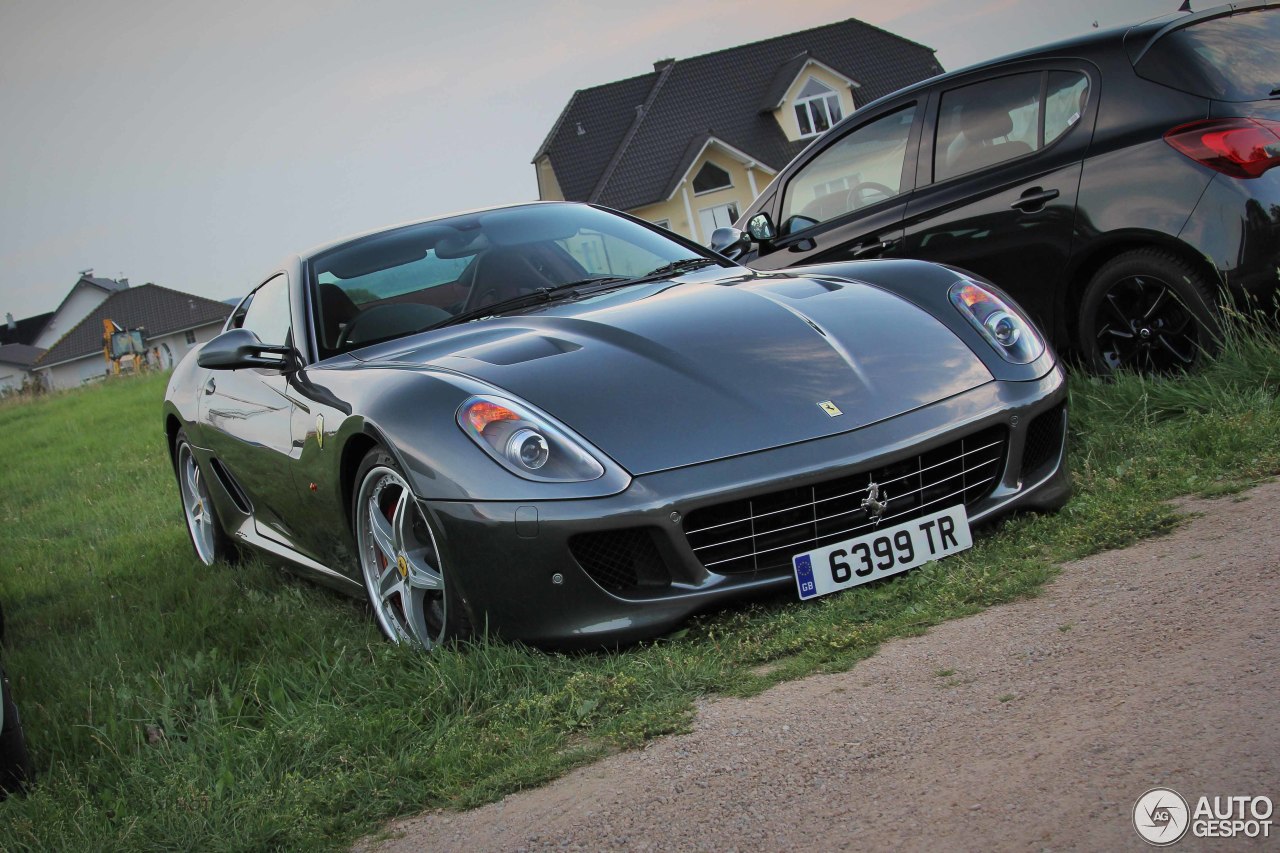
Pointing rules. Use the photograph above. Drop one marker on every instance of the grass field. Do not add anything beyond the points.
(172, 706)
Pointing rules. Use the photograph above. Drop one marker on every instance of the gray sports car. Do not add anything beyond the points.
(567, 426)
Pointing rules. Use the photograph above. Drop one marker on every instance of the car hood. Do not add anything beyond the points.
(674, 374)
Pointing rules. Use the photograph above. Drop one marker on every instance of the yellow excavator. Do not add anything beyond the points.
(123, 349)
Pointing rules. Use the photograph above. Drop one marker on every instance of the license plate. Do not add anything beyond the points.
(882, 553)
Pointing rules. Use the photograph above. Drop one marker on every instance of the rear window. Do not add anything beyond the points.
(1231, 58)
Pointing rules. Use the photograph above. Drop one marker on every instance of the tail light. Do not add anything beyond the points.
(1240, 147)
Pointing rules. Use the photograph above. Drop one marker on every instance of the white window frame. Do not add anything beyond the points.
(828, 103)
(705, 213)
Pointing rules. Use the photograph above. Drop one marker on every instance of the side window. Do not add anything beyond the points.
(861, 168)
(987, 123)
(1065, 99)
(268, 313)
(997, 120)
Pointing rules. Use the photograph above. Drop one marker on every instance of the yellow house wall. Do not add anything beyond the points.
(786, 114)
(548, 186)
(674, 210)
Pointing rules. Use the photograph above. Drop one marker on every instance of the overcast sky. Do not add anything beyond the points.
(194, 144)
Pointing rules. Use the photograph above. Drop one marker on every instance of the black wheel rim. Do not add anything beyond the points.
(1142, 325)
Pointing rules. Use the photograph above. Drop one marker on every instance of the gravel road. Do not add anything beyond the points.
(1035, 725)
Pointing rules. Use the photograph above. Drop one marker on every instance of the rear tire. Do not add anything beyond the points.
(415, 599)
(204, 528)
(1150, 312)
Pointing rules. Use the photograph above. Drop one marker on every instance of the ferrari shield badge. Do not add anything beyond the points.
(830, 408)
(320, 431)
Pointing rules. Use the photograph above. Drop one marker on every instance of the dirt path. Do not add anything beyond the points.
(1030, 726)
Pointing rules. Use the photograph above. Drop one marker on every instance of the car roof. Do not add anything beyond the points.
(1113, 38)
(350, 238)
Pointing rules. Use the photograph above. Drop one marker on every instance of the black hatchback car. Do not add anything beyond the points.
(1113, 184)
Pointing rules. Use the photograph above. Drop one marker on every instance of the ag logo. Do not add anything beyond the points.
(1161, 816)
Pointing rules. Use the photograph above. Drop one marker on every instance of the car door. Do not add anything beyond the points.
(998, 175)
(247, 415)
(846, 200)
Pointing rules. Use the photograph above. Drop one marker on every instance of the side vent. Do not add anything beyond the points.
(621, 561)
(232, 488)
(1044, 439)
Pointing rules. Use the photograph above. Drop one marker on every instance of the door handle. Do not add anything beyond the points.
(210, 386)
(871, 250)
(1034, 199)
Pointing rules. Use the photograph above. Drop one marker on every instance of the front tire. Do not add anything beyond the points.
(1150, 312)
(210, 541)
(414, 598)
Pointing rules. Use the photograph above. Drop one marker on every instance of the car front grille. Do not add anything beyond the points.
(762, 533)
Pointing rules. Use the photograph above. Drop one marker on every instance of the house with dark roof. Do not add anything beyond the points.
(15, 365)
(172, 323)
(85, 295)
(690, 144)
(24, 331)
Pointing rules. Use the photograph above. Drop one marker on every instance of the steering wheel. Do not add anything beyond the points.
(863, 194)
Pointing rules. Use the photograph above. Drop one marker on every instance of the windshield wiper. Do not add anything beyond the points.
(595, 279)
(514, 303)
(682, 265)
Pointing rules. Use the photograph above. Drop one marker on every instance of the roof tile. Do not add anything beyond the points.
(624, 162)
(23, 355)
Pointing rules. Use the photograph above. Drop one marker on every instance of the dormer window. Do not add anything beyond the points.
(817, 108)
(711, 178)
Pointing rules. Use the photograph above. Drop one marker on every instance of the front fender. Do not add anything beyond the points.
(182, 399)
(926, 285)
(411, 411)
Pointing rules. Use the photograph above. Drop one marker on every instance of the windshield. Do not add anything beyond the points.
(402, 281)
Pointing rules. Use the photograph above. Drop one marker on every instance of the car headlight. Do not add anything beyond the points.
(1004, 327)
(526, 443)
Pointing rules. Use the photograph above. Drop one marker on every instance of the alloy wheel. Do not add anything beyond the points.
(196, 506)
(400, 561)
(1143, 326)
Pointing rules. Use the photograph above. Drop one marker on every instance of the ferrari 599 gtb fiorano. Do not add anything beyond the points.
(560, 424)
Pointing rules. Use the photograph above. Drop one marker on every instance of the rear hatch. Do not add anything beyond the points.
(1232, 58)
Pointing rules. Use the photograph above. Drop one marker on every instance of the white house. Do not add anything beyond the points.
(172, 323)
(15, 364)
(85, 295)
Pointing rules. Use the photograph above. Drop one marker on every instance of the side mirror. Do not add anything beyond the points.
(239, 348)
(761, 228)
(730, 242)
